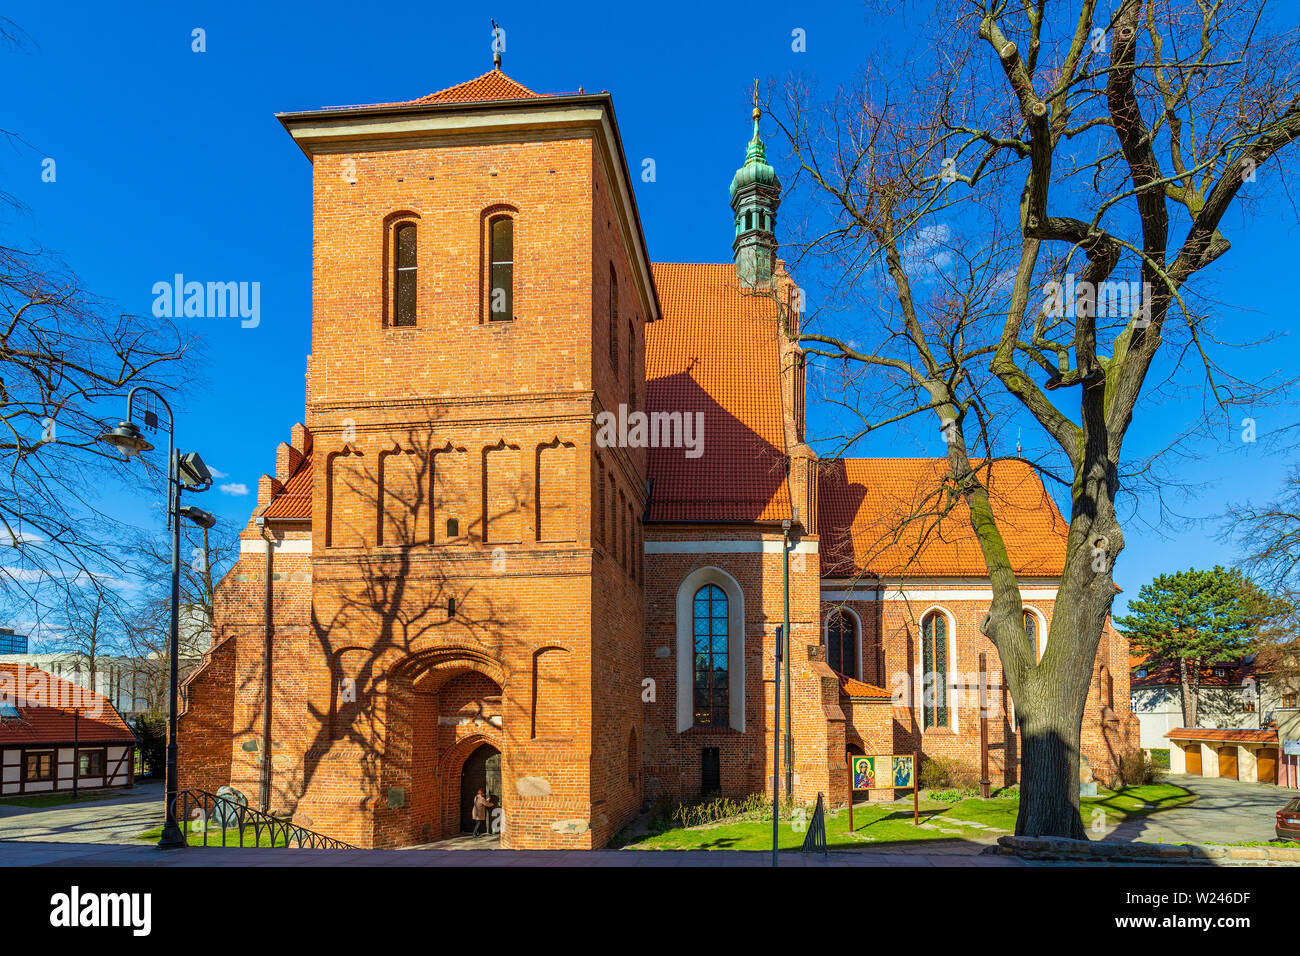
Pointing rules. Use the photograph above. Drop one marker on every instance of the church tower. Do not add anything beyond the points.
(755, 196)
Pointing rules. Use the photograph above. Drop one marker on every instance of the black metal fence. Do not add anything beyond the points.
(212, 816)
(815, 840)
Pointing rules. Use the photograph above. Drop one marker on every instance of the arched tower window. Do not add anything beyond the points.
(934, 669)
(404, 274)
(501, 292)
(842, 644)
(613, 319)
(712, 700)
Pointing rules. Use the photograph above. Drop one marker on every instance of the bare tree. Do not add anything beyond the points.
(205, 557)
(1029, 143)
(65, 366)
(1269, 538)
(89, 626)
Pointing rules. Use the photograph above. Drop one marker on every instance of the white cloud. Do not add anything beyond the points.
(236, 488)
(217, 472)
(928, 248)
(22, 537)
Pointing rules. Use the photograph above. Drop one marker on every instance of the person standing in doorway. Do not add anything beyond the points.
(480, 811)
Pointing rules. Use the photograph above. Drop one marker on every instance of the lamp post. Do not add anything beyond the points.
(76, 750)
(191, 473)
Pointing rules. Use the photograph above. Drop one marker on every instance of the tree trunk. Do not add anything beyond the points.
(1188, 696)
(1049, 782)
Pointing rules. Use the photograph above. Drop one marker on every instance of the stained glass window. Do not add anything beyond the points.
(712, 702)
(842, 644)
(1031, 632)
(934, 666)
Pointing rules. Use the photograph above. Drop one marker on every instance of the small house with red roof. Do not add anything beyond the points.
(552, 503)
(57, 736)
(1240, 705)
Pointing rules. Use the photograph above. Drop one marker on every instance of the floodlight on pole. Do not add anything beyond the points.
(184, 473)
(127, 437)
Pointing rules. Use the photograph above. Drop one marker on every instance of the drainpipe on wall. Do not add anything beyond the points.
(264, 798)
(785, 636)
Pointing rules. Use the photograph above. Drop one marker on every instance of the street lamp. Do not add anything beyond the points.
(184, 473)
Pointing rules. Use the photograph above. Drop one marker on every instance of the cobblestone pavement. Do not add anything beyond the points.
(116, 819)
(1225, 811)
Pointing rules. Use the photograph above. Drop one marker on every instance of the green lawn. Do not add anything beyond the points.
(58, 799)
(195, 837)
(875, 824)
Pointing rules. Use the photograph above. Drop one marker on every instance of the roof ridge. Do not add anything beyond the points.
(495, 75)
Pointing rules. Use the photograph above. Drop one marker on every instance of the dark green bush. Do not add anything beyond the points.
(150, 728)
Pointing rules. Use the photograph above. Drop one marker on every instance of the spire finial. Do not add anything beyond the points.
(757, 111)
(496, 45)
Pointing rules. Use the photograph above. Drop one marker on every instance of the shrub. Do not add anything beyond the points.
(150, 727)
(710, 808)
(943, 773)
(1137, 768)
(951, 795)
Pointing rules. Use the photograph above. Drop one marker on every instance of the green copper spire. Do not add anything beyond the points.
(755, 196)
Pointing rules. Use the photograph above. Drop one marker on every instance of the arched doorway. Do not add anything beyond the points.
(482, 769)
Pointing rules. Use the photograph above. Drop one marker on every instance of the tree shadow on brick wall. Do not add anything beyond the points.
(377, 606)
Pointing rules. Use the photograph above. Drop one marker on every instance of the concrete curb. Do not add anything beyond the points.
(1081, 851)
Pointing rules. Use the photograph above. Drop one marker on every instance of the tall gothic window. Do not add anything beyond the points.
(613, 319)
(842, 644)
(501, 294)
(934, 669)
(712, 702)
(404, 273)
(1031, 633)
(631, 367)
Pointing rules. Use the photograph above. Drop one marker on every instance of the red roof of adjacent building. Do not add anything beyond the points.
(714, 351)
(1228, 734)
(856, 688)
(294, 502)
(884, 516)
(47, 706)
(1160, 672)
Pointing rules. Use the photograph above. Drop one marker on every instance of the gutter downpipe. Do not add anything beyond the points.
(785, 635)
(264, 798)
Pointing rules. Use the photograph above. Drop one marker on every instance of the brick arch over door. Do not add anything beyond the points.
(430, 669)
(448, 774)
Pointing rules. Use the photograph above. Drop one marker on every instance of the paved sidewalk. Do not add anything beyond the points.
(66, 854)
(116, 819)
(1225, 811)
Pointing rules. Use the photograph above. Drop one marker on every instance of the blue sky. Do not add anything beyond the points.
(171, 161)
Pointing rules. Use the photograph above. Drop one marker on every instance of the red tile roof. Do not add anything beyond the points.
(294, 502)
(882, 516)
(1227, 734)
(491, 86)
(714, 351)
(856, 688)
(46, 707)
(1166, 672)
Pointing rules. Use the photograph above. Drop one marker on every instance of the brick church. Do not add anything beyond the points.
(533, 533)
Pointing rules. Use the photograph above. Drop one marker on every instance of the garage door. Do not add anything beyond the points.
(1266, 764)
(1194, 758)
(1228, 762)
